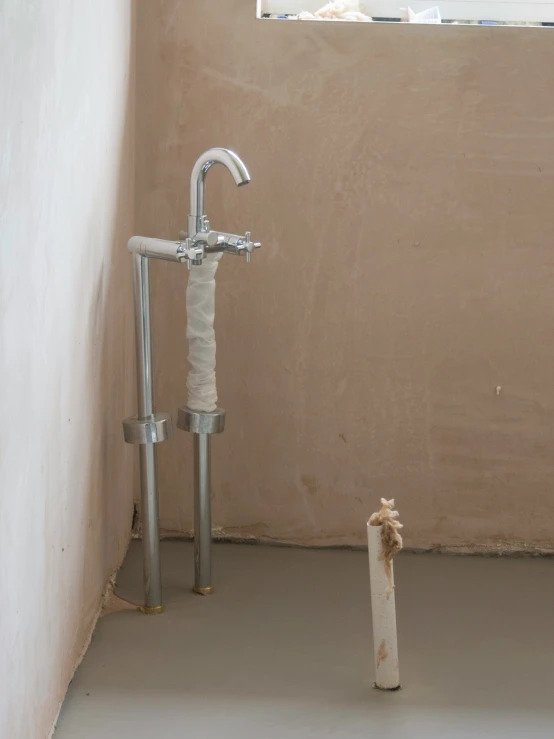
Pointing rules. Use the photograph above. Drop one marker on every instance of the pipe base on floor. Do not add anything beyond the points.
(152, 610)
(203, 591)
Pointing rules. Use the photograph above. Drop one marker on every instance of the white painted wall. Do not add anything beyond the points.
(66, 364)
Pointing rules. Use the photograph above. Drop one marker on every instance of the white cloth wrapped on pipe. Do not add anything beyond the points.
(201, 384)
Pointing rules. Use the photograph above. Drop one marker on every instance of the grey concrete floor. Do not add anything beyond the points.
(283, 649)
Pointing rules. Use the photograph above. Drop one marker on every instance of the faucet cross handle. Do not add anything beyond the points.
(191, 252)
(250, 246)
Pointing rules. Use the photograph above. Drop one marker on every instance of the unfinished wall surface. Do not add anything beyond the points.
(66, 337)
(394, 336)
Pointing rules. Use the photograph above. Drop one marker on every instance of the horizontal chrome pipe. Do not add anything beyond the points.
(157, 248)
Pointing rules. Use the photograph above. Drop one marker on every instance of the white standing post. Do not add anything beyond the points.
(384, 542)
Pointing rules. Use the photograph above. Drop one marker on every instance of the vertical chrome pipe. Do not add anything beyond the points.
(152, 575)
(143, 332)
(202, 515)
(147, 451)
(202, 425)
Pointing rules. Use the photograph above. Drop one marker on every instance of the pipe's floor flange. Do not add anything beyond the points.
(149, 430)
(375, 686)
(152, 610)
(199, 422)
(203, 591)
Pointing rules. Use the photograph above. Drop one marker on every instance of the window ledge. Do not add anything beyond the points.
(465, 12)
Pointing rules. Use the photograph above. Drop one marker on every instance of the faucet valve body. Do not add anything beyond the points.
(194, 248)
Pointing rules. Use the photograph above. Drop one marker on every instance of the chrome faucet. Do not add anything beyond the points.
(201, 168)
(201, 239)
(149, 427)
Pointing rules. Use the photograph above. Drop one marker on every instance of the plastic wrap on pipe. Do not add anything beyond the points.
(201, 384)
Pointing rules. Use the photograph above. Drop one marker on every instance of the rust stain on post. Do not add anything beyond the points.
(382, 653)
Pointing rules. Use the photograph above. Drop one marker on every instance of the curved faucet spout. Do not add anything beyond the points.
(206, 160)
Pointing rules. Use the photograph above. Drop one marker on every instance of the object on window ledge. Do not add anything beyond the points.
(337, 10)
(431, 15)
(281, 16)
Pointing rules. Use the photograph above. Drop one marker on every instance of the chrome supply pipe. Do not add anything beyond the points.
(202, 426)
(202, 514)
(149, 428)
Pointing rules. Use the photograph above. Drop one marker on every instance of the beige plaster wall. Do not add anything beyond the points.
(402, 186)
(66, 338)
